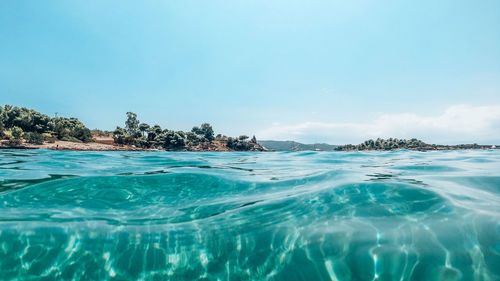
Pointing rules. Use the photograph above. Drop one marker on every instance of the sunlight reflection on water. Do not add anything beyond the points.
(250, 216)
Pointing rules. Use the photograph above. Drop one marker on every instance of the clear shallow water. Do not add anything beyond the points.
(249, 216)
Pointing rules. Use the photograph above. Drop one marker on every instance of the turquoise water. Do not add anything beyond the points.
(249, 216)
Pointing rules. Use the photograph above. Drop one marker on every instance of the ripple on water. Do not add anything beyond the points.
(249, 216)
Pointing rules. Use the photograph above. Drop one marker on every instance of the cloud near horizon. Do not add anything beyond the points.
(457, 124)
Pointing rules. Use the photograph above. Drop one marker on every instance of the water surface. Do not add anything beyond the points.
(398, 215)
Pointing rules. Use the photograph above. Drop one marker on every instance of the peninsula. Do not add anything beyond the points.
(25, 128)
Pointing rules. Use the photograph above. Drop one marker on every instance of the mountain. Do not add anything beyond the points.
(295, 146)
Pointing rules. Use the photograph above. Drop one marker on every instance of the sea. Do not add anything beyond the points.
(395, 215)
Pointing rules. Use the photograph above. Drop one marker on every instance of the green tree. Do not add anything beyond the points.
(40, 122)
(192, 139)
(1, 121)
(142, 142)
(230, 143)
(9, 115)
(169, 139)
(31, 121)
(131, 124)
(143, 127)
(153, 132)
(82, 133)
(207, 132)
(197, 130)
(119, 135)
(34, 137)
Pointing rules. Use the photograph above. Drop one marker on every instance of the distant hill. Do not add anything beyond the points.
(294, 146)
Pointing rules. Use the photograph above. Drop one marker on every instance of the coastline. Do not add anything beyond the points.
(427, 148)
(99, 145)
(75, 146)
(215, 147)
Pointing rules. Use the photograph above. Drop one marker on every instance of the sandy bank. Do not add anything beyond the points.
(103, 145)
(67, 145)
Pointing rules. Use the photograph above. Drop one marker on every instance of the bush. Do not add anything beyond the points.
(17, 133)
(15, 142)
(7, 134)
(34, 138)
(81, 133)
(143, 143)
(49, 138)
(101, 133)
(71, 139)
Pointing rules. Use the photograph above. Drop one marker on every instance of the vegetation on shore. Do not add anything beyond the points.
(199, 138)
(18, 123)
(412, 144)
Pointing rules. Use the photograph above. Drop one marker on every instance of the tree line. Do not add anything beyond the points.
(384, 144)
(144, 135)
(17, 123)
(411, 144)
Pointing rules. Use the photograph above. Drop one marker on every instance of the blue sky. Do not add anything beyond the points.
(312, 71)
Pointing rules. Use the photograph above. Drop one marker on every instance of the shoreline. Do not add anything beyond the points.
(96, 146)
(72, 146)
(99, 146)
(424, 149)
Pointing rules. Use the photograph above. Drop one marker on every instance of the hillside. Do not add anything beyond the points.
(295, 146)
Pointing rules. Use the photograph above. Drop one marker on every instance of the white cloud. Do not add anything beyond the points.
(457, 124)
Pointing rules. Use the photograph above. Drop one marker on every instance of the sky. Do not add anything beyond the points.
(310, 71)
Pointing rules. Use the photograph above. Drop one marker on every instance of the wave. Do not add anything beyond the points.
(250, 216)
